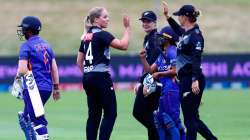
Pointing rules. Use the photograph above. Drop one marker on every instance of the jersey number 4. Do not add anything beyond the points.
(89, 55)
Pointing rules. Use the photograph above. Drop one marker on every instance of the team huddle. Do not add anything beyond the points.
(172, 77)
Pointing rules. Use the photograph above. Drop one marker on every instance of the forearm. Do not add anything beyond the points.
(196, 70)
(54, 72)
(146, 66)
(80, 66)
(80, 60)
(125, 39)
(175, 26)
(22, 68)
(169, 73)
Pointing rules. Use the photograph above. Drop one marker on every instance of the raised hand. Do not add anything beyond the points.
(126, 21)
(165, 9)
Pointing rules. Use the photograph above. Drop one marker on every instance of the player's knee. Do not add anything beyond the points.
(168, 121)
(191, 125)
(136, 114)
(110, 115)
(156, 119)
(96, 115)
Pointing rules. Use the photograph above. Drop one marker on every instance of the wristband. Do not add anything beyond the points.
(56, 86)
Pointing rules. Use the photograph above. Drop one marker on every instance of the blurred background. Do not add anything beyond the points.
(226, 64)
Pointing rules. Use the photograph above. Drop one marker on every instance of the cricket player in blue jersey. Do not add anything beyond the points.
(38, 69)
(166, 118)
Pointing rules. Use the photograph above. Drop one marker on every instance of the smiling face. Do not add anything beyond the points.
(148, 25)
(103, 20)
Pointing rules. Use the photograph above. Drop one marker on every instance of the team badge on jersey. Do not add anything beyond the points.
(183, 41)
(198, 46)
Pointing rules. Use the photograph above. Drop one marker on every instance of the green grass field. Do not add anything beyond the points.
(225, 111)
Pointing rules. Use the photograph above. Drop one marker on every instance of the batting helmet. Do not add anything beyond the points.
(29, 23)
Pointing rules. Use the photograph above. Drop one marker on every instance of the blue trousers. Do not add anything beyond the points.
(166, 127)
(28, 109)
(169, 123)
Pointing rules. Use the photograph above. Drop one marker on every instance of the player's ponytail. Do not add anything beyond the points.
(193, 17)
(90, 19)
(87, 25)
(197, 13)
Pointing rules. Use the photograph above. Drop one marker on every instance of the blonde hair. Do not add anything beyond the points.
(93, 13)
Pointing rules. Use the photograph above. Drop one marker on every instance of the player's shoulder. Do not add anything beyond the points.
(105, 36)
(103, 33)
(172, 51)
(197, 36)
(24, 45)
(196, 32)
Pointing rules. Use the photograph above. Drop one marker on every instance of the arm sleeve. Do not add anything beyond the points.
(81, 49)
(52, 53)
(158, 61)
(172, 53)
(197, 43)
(106, 37)
(175, 26)
(24, 52)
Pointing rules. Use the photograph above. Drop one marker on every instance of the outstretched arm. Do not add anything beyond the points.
(174, 25)
(122, 44)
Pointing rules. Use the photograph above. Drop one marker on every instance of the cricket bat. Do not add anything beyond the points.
(34, 94)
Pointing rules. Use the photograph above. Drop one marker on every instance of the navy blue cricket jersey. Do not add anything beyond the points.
(189, 50)
(95, 47)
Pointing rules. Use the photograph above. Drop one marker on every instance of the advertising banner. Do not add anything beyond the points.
(225, 69)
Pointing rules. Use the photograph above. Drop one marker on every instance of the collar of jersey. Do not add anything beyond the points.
(33, 37)
(95, 29)
(196, 26)
(152, 32)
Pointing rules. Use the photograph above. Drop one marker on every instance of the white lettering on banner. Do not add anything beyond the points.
(241, 70)
(211, 69)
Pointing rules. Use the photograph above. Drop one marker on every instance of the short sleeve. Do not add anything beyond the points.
(106, 37)
(158, 61)
(24, 52)
(52, 54)
(81, 49)
(172, 53)
(197, 41)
